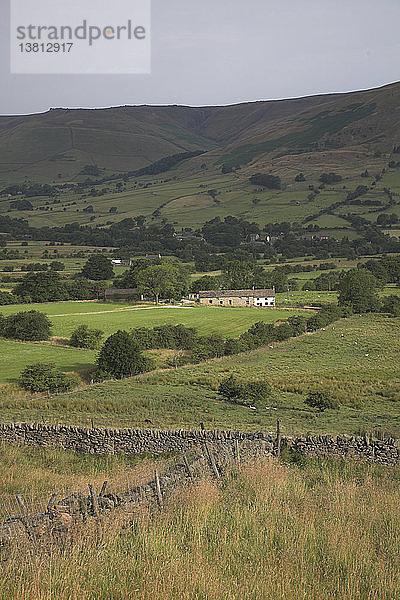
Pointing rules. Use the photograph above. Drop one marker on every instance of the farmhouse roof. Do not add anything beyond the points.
(115, 291)
(236, 293)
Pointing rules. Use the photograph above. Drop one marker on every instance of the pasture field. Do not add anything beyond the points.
(67, 316)
(356, 360)
(15, 356)
(319, 530)
(111, 317)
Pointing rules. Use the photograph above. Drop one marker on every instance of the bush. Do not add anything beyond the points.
(144, 337)
(7, 298)
(391, 305)
(246, 393)
(259, 334)
(27, 326)
(121, 357)
(175, 336)
(83, 337)
(45, 377)
(212, 346)
(321, 401)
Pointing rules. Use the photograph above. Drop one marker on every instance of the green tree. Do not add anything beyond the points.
(83, 337)
(166, 280)
(121, 356)
(41, 287)
(45, 377)
(391, 305)
(27, 326)
(358, 289)
(98, 268)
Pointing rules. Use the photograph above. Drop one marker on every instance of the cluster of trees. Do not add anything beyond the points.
(159, 279)
(239, 274)
(358, 290)
(215, 345)
(272, 182)
(330, 178)
(50, 287)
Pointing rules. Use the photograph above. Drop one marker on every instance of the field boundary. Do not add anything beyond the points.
(98, 440)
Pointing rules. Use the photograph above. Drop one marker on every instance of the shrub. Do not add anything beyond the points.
(391, 305)
(235, 346)
(27, 326)
(45, 377)
(7, 298)
(244, 392)
(121, 356)
(144, 337)
(83, 337)
(321, 401)
(259, 334)
(212, 346)
(175, 336)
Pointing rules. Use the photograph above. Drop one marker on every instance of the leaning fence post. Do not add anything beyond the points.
(103, 489)
(236, 452)
(212, 461)
(187, 467)
(50, 503)
(158, 489)
(93, 500)
(278, 438)
(24, 518)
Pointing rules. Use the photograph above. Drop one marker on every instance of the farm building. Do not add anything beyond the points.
(237, 297)
(122, 294)
(121, 262)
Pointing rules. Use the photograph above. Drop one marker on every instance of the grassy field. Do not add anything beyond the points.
(355, 360)
(67, 316)
(15, 356)
(32, 470)
(111, 317)
(319, 531)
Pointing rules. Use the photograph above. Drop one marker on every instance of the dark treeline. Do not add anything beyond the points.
(215, 238)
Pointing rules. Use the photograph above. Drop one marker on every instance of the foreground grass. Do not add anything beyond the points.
(355, 359)
(323, 531)
(24, 469)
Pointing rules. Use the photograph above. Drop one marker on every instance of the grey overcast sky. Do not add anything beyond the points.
(207, 52)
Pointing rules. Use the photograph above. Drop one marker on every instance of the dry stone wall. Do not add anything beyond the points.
(135, 441)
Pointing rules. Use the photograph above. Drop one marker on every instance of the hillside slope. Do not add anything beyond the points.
(61, 141)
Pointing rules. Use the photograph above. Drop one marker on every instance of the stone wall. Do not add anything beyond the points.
(133, 441)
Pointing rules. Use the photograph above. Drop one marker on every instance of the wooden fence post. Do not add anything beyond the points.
(24, 518)
(158, 489)
(93, 500)
(212, 461)
(278, 438)
(236, 452)
(187, 467)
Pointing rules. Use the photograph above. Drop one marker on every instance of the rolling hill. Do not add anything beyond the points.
(346, 133)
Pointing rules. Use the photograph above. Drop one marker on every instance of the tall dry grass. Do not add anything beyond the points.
(321, 531)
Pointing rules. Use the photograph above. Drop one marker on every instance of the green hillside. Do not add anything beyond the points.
(354, 135)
